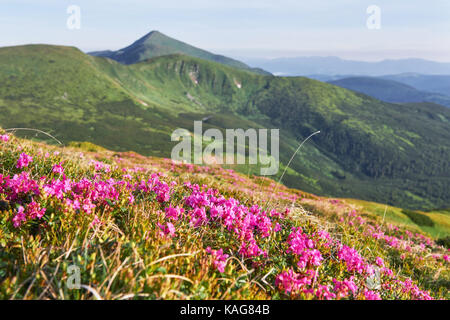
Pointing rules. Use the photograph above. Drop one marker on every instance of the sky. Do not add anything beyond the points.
(241, 28)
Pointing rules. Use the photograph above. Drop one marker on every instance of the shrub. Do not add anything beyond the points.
(444, 242)
(419, 218)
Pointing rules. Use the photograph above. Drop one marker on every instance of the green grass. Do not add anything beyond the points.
(435, 223)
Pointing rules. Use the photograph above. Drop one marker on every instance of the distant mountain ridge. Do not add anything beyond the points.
(390, 90)
(156, 44)
(431, 83)
(303, 66)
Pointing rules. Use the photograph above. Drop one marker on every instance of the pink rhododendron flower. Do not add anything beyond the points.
(294, 283)
(174, 212)
(34, 210)
(58, 168)
(220, 259)
(345, 287)
(24, 161)
(304, 247)
(324, 293)
(19, 217)
(167, 230)
(352, 258)
(4, 138)
(371, 295)
(379, 261)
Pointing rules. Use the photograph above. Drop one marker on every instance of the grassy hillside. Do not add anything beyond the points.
(148, 228)
(156, 44)
(390, 91)
(368, 149)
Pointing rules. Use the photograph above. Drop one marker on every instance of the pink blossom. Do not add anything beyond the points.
(371, 295)
(379, 261)
(24, 161)
(4, 138)
(345, 287)
(167, 230)
(174, 212)
(355, 263)
(19, 217)
(324, 293)
(220, 259)
(34, 210)
(58, 168)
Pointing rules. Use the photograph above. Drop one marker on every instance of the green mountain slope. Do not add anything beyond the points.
(390, 91)
(391, 153)
(156, 44)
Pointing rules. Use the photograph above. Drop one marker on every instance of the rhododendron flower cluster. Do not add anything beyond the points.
(58, 168)
(247, 223)
(291, 282)
(302, 246)
(412, 289)
(371, 295)
(4, 138)
(32, 211)
(24, 161)
(353, 260)
(174, 213)
(19, 188)
(167, 230)
(219, 258)
(345, 288)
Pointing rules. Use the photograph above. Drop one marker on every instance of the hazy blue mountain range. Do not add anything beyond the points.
(390, 90)
(422, 82)
(302, 66)
(431, 83)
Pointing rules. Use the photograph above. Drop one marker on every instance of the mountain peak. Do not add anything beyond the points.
(156, 44)
(154, 33)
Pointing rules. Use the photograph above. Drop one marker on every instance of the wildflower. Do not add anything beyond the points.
(4, 138)
(24, 161)
(220, 259)
(57, 168)
(323, 292)
(371, 295)
(34, 210)
(292, 283)
(379, 261)
(19, 217)
(302, 246)
(167, 230)
(352, 258)
(345, 287)
(174, 212)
